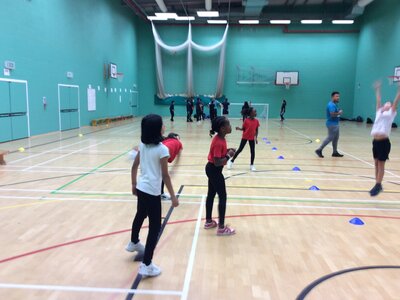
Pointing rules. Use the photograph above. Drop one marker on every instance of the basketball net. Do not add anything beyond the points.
(287, 85)
(393, 79)
(120, 77)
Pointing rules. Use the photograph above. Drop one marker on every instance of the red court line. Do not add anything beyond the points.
(187, 221)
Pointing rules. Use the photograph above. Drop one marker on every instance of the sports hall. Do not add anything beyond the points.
(76, 80)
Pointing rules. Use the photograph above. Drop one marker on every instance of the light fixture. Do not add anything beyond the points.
(311, 21)
(210, 14)
(249, 21)
(167, 15)
(189, 18)
(342, 21)
(155, 18)
(217, 21)
(280, 21)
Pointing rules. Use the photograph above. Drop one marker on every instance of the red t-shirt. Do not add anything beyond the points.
(249, 129)
(218, 148)
(174, 146)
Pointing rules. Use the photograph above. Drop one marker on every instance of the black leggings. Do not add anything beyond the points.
(252, 150)
(216, 185)
(147, 206)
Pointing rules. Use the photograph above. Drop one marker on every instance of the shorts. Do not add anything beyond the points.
(381, 149)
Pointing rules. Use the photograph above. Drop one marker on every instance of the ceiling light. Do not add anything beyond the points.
(342, 21)
(217, 21)
(249, 21)
(280, 21)
(155, 18)
(190, 18)
(208, 14)
(311, 21)
(167, 15)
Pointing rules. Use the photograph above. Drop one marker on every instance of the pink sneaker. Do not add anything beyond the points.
(209, 225)
(226, 231)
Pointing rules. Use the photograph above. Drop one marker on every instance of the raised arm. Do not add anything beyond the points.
(377, 87)
(396, 100)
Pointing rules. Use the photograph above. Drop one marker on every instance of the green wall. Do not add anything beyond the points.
(378, 54)
(48, 38)
(326, 62)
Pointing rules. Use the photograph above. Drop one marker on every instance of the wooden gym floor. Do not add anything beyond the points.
(66, 212)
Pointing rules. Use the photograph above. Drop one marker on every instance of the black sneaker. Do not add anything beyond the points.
(376, 189)
(337, 154)
(319, 153)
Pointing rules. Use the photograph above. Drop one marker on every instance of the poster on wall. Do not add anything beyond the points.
(91, 97)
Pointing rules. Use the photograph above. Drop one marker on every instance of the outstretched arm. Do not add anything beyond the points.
(377, 87)
(396, 100)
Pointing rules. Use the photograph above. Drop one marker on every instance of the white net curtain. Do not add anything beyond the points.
(189, 45)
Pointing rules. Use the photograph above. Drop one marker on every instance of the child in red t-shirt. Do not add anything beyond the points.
(250, 133)
(174, 145)
(217, 158)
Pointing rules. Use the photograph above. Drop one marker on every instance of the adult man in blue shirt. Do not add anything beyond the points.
(332, 123)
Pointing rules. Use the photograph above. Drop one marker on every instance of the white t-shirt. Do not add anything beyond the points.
(150, 168)
(383, 122)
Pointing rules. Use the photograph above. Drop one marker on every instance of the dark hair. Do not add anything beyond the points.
(249, 110)
(246, 104)
(172, 101)
(172, 135)
(151, 129)
(217, 123)
(334, 93)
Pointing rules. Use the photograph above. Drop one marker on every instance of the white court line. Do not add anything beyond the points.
(189, 269)
(300, 199)
(65, 155)
(88, 289)
(45, 152)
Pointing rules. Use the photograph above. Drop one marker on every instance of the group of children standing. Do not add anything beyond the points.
(153, 155)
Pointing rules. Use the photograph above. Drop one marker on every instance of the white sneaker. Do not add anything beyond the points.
(150, 270)
(165, 197)
(253, 168)
(229, 164)
(132, 247)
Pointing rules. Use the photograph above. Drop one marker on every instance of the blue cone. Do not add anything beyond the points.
(264, 139)
(268, 142)
(274, 148)
(281, 157)
(356, 221)
(296, 169)
(314, 188)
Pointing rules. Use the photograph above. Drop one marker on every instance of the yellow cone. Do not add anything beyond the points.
(317, 140)
(22, 149)
(80, 135)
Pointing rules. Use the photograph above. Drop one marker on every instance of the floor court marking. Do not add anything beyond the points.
(45, 152)
(89, 289)
(27, 204)
(186, 195)
(12, 258)
(65, 155)
(189, 270)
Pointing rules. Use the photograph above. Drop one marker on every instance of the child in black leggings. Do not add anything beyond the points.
(217, 158)
(250, 133)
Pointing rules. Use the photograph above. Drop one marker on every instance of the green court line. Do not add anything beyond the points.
(88, 173)
(265, 199)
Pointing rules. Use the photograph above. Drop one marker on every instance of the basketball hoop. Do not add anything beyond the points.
(120, 77)
(287, 81)
(393, 79)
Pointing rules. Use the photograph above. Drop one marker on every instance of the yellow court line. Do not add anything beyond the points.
(28, 204)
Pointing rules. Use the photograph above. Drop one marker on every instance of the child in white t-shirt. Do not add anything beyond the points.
(153, 159)
(380, 131)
